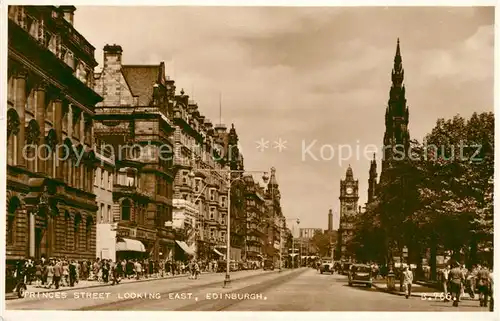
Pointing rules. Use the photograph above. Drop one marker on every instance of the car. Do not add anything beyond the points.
(326, 268)
(360, 274)
(268, 265)
(14, 283)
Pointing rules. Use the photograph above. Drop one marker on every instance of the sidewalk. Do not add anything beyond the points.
(86, 284)
(418, 289)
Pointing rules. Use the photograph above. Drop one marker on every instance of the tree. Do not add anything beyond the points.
(323, 242)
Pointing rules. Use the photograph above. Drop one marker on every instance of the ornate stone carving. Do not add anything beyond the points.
(76, 114)
(13, 122)
(51, 139)
(32, 132)
(41, 85)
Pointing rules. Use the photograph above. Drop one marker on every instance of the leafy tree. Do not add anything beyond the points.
(322, 242)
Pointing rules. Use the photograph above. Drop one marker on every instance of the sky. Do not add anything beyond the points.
(316, 79)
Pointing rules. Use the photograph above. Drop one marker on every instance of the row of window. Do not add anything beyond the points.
(103, 179)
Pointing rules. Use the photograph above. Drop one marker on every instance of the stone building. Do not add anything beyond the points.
(256, 213)
(134, 121)
(349, 196)
(103, 189)
(274, 219)
(200, 191)
(51, 204)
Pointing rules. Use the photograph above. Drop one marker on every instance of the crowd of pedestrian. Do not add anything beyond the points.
(457, 280)
(63, 272)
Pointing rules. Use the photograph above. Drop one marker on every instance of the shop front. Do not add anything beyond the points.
(132, 243)
(166, 245)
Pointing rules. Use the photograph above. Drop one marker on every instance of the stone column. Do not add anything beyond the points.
(32, 222)
(20, 103)
(40, 94)
(58, 114)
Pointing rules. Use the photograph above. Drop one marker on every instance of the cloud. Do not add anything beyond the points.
(306, 74)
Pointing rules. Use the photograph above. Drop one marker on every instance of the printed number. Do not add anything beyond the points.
(448, 296)
(424, 296)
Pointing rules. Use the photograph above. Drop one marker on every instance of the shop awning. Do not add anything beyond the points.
(185, 247)
(216, 251)
(293, 255)
(130, 245)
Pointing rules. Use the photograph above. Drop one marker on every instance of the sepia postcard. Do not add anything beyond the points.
(204, 158)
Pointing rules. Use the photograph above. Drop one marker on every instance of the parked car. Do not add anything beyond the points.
(360, 274)
(14, 283)
(268, 265)
(327, 268)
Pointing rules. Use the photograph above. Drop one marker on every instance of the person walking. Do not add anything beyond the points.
(445, 273)
(58, 272)
(407, 281)
(456, 278)
(196, 270)
(483, 285)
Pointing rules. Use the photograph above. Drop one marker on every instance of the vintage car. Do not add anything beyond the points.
(326, 267)
(268, 265)
(14, 283)
(360, 274)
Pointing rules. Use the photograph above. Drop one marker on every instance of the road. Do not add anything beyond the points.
(291, 290)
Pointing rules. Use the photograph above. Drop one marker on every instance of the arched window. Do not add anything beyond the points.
(76, 231)
(126, 210)
(32, 139)
(13, 124)
(51, 142)
(67, 229)
(88, 232)
(12, 207)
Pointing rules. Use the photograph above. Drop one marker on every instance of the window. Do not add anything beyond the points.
(110, 183)
(212, 194)
(126, 210)
(212, 213)
(76, 231)
(100, 219)
(67, 221)
(103, 178)
(110, 218)
(223, 203)
(96, 174)
(11, 220)
(88, 233)
(197, 185)
(184, 177)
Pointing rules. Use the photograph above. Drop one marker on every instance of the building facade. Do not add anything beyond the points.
(255, 216)
(50, 200)
(348, 210)
(103, 189)
(134, 120)
(274, 219)
(308, 232)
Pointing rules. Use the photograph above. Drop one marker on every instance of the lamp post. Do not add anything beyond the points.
(230, 181)
(297, 220)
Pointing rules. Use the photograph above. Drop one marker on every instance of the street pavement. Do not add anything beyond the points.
(302, 289)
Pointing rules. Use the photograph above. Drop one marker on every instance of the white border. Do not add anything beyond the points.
(274, 316)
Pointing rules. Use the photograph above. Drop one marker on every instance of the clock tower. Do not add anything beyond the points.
(349, 197)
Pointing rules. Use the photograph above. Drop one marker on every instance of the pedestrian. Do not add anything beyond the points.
(49, 275)
(38, 273)
(407, 281)
(483, 285)
(57, 274)
(196, 270)
(445, 273)
(456, 278)
(72, 273)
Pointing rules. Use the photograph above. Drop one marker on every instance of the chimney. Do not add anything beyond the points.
(68, 13)
(111, 75)
(112, 55)
(330, 220)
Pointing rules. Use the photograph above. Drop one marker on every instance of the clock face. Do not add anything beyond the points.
(348, 190)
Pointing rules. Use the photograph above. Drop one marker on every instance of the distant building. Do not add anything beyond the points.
(330, 220)
(308, 232)
(348, 209)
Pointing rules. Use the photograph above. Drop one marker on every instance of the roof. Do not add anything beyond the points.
(142, 78)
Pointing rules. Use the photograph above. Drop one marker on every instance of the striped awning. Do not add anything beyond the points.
(130, 245)
(185, 247)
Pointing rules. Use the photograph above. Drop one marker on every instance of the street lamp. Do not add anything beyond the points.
(297, 220)
(230, 181)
